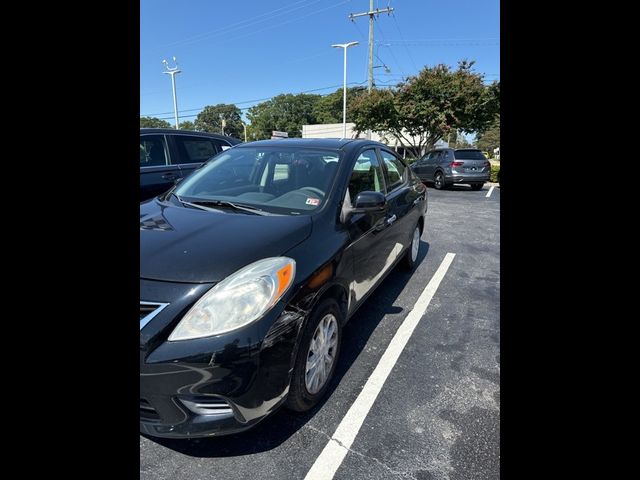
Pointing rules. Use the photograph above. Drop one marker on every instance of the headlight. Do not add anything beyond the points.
(238, 300)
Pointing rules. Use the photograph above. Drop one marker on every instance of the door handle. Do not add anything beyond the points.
(391, 219)
(169, 176)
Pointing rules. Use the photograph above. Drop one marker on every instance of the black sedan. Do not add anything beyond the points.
(251, 266)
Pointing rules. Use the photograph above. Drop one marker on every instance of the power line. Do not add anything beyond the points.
(249, 101)
(393, 15)
(372, 14)
(392, 54)
(241, 24)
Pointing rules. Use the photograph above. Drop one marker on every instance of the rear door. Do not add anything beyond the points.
(157, 175)
(419, 166)
(430, 166)
(403, 212)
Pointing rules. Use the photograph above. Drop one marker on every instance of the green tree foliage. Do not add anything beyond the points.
(328, 109)
(187, 125)
(425, 108)
(153, 122)
(490, 139)
(210, 120)
(285, 113)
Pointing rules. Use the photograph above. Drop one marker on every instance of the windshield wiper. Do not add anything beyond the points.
(202, 204)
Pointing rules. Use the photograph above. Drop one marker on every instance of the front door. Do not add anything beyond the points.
(371, 251)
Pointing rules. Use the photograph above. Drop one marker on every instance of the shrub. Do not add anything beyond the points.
(494, 172)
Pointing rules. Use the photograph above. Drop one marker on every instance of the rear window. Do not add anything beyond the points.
(469, 155)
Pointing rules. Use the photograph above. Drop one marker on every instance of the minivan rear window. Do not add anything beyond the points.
(469, 155)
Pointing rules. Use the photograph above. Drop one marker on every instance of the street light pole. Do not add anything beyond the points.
(344, 46)
(173, 72)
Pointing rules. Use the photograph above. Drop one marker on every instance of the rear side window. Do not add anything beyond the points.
(469, 155)
(195, 150)
(152, 151)
(395, 173)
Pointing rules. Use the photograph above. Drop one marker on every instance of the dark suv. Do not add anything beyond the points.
(167, 155)
(447, 166)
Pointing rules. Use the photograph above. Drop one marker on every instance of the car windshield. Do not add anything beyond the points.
(469, 155)
(281, 180)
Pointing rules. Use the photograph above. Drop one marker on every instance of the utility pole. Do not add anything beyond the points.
(372, 13)
(344, 46)
(173, 72)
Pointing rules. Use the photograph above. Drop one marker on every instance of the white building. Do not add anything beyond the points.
(334, 130)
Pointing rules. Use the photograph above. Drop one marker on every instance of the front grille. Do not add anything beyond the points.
(208, 406)
(148, 310)
(147, 412)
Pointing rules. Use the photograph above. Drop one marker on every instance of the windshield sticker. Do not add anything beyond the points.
(313, 201)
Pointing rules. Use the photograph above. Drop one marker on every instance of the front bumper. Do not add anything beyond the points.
(244, 374)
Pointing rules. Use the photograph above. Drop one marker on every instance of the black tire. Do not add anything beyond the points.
(438, 181)
(299, 398)
(477, 186)
(409, 261)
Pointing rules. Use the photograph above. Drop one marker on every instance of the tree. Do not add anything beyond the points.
(490, 139)
(328, 109)
(153, 122)
(285, 112)
(187, 125)
(210, 120)
(425, 108)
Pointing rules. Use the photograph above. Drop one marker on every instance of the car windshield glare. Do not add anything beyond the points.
(283, 180)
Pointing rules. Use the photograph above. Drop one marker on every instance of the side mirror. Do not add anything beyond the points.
(369, 202)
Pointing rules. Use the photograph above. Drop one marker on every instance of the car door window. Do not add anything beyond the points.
(153, 151)
(395, 174)
(430, 158)
(366, 175)
(195, 150)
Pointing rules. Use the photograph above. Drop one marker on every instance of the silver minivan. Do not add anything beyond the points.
(447, 166)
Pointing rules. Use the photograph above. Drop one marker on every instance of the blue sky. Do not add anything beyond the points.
(243, 50)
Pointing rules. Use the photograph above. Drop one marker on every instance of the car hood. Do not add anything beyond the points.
(190, 245)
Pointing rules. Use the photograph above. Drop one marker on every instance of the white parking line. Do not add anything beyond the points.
(490, 191)
(326, 465)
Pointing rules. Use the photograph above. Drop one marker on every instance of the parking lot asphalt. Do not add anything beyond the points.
(437, 415)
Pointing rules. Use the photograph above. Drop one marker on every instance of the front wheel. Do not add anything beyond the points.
(317, 356)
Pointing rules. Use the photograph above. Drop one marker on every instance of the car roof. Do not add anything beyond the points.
(328, 143)
(188, 132)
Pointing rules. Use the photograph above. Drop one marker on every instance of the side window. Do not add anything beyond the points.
(430, 158)
(152, 151)
(395, 173)
(220, 145)
(366, 175)
(195, 150)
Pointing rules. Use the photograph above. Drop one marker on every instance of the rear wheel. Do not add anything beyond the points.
(317, 356)
(409, 260)
(477, 186)
(438, 181)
